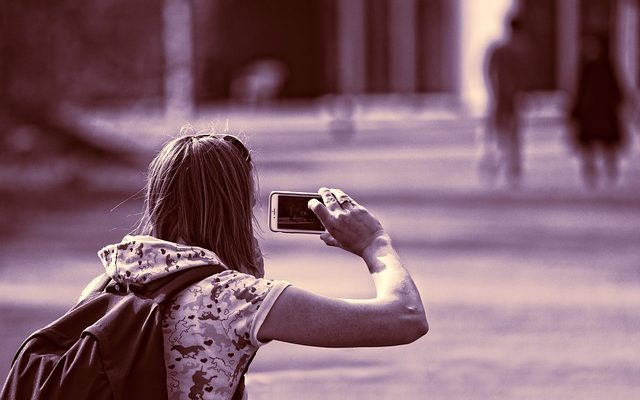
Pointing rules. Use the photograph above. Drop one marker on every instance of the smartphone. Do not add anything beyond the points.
(288, 212)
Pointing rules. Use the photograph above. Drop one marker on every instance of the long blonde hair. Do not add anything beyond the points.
(200, 191)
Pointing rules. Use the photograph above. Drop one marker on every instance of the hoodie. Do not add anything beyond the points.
(143, 259)
(211, 328)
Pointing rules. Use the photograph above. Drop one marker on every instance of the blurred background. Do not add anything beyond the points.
(531, 281)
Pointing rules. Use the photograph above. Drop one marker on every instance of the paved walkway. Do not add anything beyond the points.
(530, 294)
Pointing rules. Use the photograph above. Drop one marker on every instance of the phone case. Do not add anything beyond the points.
(296, 218)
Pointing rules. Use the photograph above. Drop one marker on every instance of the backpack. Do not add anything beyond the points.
(108, 346)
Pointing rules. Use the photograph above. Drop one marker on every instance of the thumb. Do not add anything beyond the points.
(329, 240)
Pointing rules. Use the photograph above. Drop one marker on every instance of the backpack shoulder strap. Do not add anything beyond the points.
(240, 389)
(166, 287)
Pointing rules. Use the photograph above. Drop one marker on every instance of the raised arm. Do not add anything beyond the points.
(394, 316)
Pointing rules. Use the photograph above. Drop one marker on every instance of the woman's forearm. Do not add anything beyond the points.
(394, 286)
(396, 314)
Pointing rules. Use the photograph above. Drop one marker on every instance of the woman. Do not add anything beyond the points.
(596, 111)
(198, 211)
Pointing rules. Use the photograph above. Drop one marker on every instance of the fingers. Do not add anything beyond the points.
(349, 226)
(323, 214)
(344, 200)
(330, 201)
(331, 204)
(335, 200)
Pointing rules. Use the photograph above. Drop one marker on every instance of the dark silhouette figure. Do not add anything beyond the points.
(595, 112)
(506, 69)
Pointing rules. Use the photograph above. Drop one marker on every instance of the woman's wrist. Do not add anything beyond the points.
(379, 247)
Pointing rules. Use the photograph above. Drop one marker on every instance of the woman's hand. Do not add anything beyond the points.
(349, 225)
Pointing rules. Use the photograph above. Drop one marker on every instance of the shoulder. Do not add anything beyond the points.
(231, 286)
(238, 302)
(237, 282)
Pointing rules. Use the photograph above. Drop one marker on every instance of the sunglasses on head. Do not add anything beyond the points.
(244, 152)
(237, 144)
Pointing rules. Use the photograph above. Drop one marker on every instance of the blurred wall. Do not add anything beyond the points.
(232, 36)
(94, 51)
(328, 46)
(112, 51)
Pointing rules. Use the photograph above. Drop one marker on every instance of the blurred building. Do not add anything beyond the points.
(184, 53)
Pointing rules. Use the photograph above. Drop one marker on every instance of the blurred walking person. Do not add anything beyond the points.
(597, 129)
(506, 78)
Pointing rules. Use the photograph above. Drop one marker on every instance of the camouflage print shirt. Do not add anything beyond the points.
(210, 329)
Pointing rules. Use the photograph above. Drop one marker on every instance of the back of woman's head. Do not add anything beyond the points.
(200, 193)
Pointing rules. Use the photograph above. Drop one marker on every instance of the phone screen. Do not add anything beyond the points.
(294, 214)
